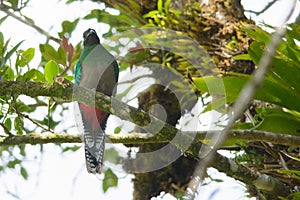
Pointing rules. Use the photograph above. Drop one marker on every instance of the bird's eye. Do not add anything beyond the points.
(84, 34)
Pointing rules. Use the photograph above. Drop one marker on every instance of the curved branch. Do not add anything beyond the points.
(223, 164)
(29, 23)
(270, 4)
(70, 92)
(74, 93)
(143, 138)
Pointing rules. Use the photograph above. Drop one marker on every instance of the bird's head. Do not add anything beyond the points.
(90, 37)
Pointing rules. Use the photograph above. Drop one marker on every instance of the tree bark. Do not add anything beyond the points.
(175, 177)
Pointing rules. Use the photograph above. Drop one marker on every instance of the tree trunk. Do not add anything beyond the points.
(175, 177)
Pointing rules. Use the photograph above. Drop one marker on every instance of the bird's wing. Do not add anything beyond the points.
(98, 71)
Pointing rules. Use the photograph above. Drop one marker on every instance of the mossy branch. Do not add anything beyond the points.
(143, 138)
(74, 93)
(70, 92)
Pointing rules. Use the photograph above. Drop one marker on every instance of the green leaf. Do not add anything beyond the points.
(19, 125)
(118, 129)
(119, 22)
(22, 107)
(294, 31)
(136, 58)
(271, 91)
(242, 57)
(295, 195)
(34, 75)
(51, 71)
(167, 5)
(258, 34)
(49, 122)
(69, 78)
(278, 121)
(159, 6)
(24, 173)
(151, 14)
(13, 163)
(49, 53)
(13, 50)
(286, 73)
(26, 57)
(1, 44)
(73, 148)
(112, 156)
(293, 173)
(3, 19)
(256, 50)
(67, 28)
(8, 123)
(13, 4)
(110, 180)
(62, 54)
(22, 149)
(9, 74)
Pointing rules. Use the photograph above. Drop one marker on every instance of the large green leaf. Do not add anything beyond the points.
(49, 53)
(110, 180)
(278, 121)
(230, 87)
(287, 73)
(258, 34)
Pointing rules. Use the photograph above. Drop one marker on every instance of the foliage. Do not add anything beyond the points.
(280, 89)
(277, 109)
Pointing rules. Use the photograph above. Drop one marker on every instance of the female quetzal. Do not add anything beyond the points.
(98, 70)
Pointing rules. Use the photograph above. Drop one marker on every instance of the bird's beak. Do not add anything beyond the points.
(90, 32)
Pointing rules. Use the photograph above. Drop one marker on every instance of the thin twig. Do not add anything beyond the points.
(6, 130)
(29, 23)
(270, 4)
(240, 105)
(42, 104)
(36, 122)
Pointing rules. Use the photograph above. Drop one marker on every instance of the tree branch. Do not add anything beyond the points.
(270, 4)
(143, 138)
(70, 92)
(29, 23)
(261, 181)
(166, 134)
(223, 164)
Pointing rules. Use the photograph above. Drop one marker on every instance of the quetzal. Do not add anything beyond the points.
(98, 70)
